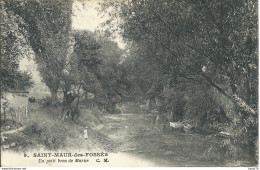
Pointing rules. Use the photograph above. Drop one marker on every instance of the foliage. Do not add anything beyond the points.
(14, 47)
(178, 38)
(185, 53)
(47, 27)
(98, 61)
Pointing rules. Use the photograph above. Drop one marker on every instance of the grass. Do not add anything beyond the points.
(44, 128)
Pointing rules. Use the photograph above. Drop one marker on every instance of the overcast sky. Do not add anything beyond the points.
(86, 17)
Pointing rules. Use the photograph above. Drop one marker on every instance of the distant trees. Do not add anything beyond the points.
(97, 60)
(112, 74)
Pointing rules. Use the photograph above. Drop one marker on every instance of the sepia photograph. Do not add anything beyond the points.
(129, 83)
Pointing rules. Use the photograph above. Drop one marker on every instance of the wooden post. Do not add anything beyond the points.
(4, 116)
(26, 110)
(86, 133)
(12, 113)
(16, 112)
(19, 115)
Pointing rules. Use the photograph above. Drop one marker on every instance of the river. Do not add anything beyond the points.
(137, 135)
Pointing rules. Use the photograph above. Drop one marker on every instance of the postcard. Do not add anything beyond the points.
(129, 83)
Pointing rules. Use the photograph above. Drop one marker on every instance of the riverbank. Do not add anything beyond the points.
(133, 134)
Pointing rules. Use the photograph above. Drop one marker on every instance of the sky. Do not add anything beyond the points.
(86, 17)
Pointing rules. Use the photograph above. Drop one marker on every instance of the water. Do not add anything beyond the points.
(138, 135)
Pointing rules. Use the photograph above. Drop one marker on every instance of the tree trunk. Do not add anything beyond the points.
(249, 86)
(77, 105)
(240, 103)
(54, 97)
(252, 150)
(243, 105)
(63, 104)
(152, 103)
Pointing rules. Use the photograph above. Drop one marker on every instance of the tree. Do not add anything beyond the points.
(112, 73)
(180, 31)
(14, 47)
(97, 60)
(47, 24)
(209, 43)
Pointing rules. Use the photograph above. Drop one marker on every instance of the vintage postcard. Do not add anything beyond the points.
(129, 83)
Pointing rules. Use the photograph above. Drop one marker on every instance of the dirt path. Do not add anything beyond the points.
(13, 131)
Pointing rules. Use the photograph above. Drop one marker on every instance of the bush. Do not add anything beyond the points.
(51, 135)
(46, 101)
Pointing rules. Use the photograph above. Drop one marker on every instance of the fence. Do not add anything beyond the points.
(17, 114)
